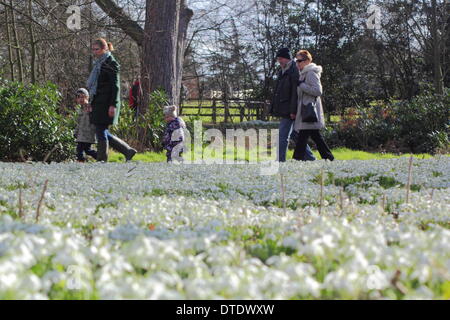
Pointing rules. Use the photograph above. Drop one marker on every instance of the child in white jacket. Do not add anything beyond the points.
(173, 140)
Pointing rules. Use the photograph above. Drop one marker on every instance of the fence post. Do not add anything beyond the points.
(226, 110)
(242, 111)
(214, 111)
(258, 111)
(265, 107)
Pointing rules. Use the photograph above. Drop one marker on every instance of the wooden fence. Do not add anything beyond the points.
(214, 109)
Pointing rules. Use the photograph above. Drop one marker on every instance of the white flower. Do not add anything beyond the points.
(219, 232)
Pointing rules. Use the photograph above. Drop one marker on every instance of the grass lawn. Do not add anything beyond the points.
(339, 153)
(348, 154)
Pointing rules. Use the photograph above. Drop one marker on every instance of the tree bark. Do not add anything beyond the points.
(185, 17)
(163, 43)
(16, 43)
(163, 40)
(90, 39)
(8, 38)
(437, 68)
(446, 45)
(32, 44)
(159, 61)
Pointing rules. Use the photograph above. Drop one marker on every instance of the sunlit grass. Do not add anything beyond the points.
(348, 154)
(144, 157)
(241, 154)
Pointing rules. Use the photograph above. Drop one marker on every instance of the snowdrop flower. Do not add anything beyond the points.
(218, 232)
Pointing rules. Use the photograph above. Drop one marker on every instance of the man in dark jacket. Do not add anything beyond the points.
(285, 101)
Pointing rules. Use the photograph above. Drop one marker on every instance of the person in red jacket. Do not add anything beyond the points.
(135, 92)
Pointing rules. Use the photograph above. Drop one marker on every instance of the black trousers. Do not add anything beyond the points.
(84, 147)
(316, 136)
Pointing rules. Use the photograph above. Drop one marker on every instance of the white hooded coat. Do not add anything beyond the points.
(309, 91)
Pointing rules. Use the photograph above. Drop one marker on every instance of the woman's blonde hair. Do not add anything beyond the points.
(305, 54)
(102, 43)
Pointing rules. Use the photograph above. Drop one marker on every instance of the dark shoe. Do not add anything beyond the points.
(131, 154)
(92, 153)
(122, 147)
(102, 150)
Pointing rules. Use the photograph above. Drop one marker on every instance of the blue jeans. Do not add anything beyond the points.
(102, 133)
(285, 131)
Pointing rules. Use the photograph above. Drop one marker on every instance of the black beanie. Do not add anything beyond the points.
(284, 53)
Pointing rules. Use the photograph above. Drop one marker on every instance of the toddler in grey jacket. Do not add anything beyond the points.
(85, 131)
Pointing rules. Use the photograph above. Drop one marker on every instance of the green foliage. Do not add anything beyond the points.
(418, 126)
(30, 125)
(153, 120)
(126, 127)
(144, 130)
(266, 248)
(422, 124)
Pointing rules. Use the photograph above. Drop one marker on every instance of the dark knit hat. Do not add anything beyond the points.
(284, 53)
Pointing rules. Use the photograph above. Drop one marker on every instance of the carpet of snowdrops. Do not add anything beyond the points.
(167, 231)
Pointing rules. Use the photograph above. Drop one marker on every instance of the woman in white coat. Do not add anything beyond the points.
(309, 90)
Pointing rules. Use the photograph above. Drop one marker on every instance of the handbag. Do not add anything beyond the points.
(309, 113)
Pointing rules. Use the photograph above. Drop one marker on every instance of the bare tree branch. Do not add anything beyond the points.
(129, 26)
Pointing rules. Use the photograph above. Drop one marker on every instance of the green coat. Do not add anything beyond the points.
(108, 93)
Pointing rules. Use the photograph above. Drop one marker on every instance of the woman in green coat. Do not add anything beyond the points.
(104, 91)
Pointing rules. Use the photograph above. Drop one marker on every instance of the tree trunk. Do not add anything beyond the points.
(163, 43)
(8, 39)
(159, 61)
(16, 42)
(437, 68)
(32, 44)
(446, 50)
(185, 17)
(90, 34)
(165, 34)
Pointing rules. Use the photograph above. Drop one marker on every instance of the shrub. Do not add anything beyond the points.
(422, 124)
(30, 126)
(418, 126)
(144, 131)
